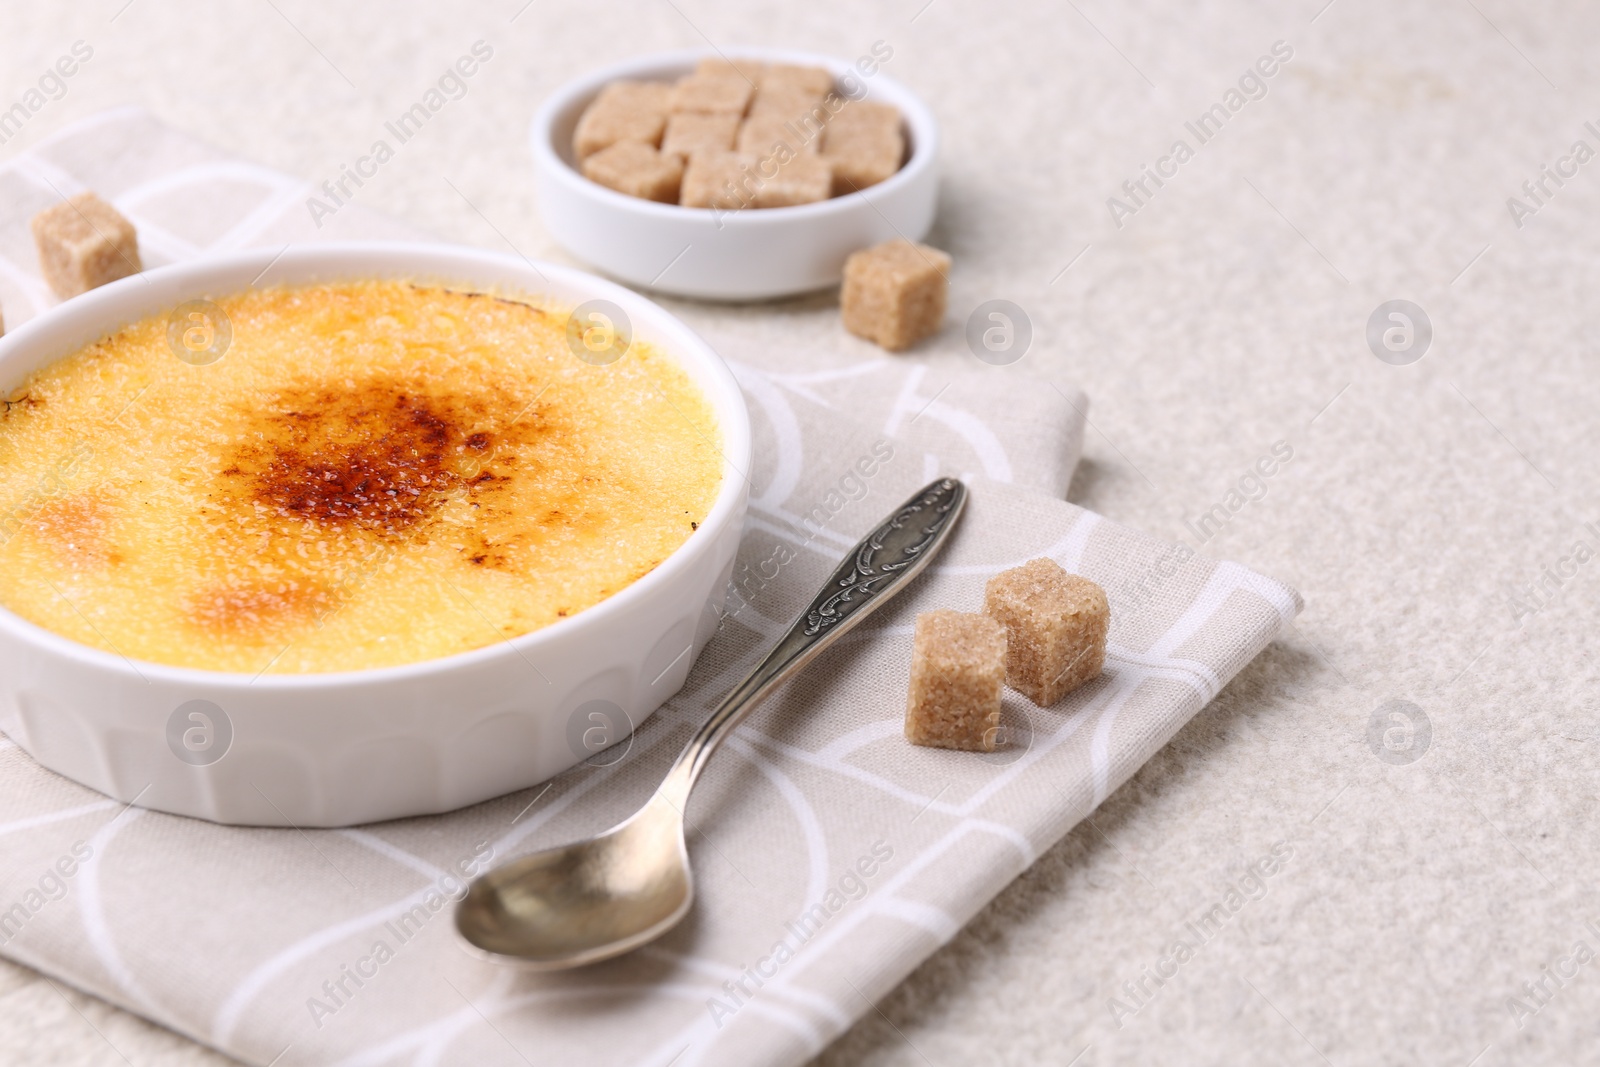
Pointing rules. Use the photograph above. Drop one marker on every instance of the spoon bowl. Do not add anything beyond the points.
(587, 901)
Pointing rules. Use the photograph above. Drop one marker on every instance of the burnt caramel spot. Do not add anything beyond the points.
(258, 610)
(380, 457)
(324, 468)
(77, 527)
(323, 473)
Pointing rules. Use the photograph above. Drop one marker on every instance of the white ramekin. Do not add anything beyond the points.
(740, 255)
(341, 748)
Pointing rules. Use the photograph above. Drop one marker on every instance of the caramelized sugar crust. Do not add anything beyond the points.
(374, 473)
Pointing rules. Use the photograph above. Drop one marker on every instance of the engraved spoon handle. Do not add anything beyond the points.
(878, 567)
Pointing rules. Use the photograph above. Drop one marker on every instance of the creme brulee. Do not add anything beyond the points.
(374, 473)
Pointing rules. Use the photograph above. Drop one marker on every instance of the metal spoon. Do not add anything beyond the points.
(595, 899)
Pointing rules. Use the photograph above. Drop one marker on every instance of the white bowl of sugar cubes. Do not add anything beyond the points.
(745, 175)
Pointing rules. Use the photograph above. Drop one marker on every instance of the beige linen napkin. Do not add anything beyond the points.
(831, 856)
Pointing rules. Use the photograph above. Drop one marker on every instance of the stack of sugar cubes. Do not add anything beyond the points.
(1042, 631)
(737, 134)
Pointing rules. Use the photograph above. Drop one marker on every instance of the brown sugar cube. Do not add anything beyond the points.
(84, 243)
(751, 70)
(894, 293)
(636, 169)
(805, 117)
(1055, 628)
(624, 111)
(689, 132)
(801, 179)
(861, 163)
(722, 93)
(865, 117)
(865, 145)
(791, 104)
(723, 181)
(812, 80)
(957, 674)
(764, 136)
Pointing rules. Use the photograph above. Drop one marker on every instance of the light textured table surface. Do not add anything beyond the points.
(1226, 314)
